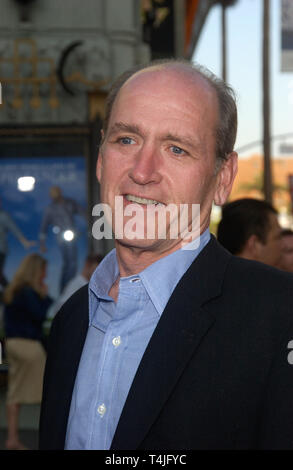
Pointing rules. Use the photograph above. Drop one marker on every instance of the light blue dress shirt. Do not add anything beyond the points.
(116, 340)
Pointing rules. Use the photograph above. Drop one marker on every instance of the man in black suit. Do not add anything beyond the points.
(175, 344)
(249, 228)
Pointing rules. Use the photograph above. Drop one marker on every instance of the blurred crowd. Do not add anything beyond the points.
(25, 303)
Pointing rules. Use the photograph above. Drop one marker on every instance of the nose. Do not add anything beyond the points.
(145, 167)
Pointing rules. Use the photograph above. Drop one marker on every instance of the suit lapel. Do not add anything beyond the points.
(179, 333)
(75, 329)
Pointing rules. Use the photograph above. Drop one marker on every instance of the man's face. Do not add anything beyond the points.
(270, 252)
(160, 146)
(286, 261)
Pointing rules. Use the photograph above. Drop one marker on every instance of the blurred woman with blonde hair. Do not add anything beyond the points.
(26, 303)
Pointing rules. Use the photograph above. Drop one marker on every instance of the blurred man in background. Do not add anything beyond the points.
(250, 229)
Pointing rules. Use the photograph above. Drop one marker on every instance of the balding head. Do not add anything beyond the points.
(198, 76)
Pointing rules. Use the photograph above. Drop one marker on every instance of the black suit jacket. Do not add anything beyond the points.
(215, 374)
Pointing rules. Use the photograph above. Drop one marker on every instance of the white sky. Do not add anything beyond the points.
(244, 69)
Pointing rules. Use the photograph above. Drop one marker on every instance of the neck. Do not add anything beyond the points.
(133, 260)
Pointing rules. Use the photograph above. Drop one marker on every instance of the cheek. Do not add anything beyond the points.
(278, 245)
(112, 176)
(110, 170)
(203, 185)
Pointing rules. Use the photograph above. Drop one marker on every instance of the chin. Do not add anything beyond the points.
(153, 245)
(136, 243)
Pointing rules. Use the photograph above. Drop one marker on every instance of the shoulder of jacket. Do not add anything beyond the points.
(75, 306)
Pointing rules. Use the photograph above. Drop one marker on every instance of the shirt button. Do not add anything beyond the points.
(116, 341)
(102, 409)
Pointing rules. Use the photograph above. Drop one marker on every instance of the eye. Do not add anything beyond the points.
(126, 140)
(177, 150)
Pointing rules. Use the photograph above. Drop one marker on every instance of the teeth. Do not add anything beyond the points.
(141, 200)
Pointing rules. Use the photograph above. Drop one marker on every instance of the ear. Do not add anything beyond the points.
(225, 179)
(100, 159)
(253, 247)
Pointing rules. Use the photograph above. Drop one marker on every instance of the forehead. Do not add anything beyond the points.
(176, 76)
(178, 86)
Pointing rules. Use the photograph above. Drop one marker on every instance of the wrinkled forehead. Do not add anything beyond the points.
(171, 79)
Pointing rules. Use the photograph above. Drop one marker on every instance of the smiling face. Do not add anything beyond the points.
(159, 148)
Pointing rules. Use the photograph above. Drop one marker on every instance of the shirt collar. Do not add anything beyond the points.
(159, 279)
(104, 276)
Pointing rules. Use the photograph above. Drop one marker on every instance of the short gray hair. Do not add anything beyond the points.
(227, 126)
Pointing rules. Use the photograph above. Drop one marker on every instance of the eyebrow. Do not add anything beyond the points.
(134, 129)
(121, 126)
(188, 141)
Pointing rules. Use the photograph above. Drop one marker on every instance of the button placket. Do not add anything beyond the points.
(116, 341)
(102, 409)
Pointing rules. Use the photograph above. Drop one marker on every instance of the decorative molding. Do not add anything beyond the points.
(35, 61)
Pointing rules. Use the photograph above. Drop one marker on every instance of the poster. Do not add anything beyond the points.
(26, 208)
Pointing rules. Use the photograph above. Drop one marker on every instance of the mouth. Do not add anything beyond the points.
(142, 200)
